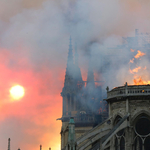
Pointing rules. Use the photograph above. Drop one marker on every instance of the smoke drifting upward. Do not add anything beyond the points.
(34, 39)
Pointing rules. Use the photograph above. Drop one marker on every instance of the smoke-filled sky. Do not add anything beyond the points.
(34, 39)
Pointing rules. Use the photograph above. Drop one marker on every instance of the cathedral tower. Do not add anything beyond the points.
(76, 102)
(72, 85)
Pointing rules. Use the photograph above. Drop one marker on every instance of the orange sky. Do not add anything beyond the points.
(31, 121)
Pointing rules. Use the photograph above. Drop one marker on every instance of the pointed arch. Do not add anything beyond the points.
(137, 115)
(141, 124)
(137, 143)
(116, 144)
(117, 118)
(146, 143)
(122, 143)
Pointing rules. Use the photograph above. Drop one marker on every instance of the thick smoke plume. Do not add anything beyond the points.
(34, 39)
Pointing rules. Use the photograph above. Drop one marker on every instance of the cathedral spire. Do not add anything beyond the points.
(69, 76)
(77, 74)
(70, 63)
(76, 55)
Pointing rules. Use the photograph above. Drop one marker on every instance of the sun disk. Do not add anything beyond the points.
(17, 92)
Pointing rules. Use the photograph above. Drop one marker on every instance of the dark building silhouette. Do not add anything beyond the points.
(127, 126)
(81, 99)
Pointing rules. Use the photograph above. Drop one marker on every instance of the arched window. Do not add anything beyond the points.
(147, 143)
(122, 143)
(142, 133)
(138, 143)
(142, 126)
(116, 144)
(117, 119)
(119, 139)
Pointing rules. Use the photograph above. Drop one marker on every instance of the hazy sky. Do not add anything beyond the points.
(34, 39)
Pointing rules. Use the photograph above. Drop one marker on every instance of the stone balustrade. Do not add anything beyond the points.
(129, 90)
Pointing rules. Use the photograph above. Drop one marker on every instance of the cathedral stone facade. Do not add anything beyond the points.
(79, 101)
(127, 126)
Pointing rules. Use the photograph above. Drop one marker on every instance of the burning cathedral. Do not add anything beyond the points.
(119, 122)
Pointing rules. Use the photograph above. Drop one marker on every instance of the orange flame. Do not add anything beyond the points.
(138, 71)
(140, 81)
(139, 54)
(132, 60)
(135, 70)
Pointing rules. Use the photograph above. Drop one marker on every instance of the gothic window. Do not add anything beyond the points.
(142, 133)
(116, 144)
(119, 138)
(147, 143)
(119, 143)
(121, 132)
(122, 143)
(142, 126)
(138, 143)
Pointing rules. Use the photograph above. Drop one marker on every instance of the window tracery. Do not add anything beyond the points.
(119, 137)
(142, 133)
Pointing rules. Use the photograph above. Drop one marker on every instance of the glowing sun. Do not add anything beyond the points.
(17, 92)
